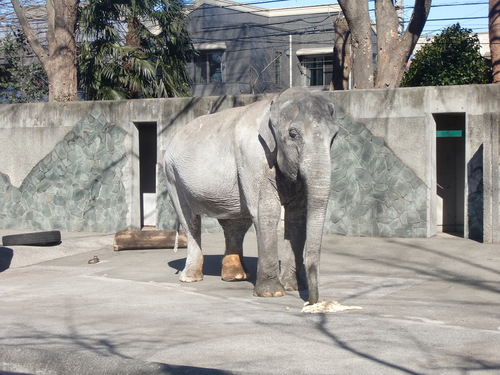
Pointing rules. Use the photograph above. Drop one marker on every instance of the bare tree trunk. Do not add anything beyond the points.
(59, 60)
(132, 36)
(342, 60)
(358, 19)
(393, 49)
(132, 39)
(62, 15)
(494, 29)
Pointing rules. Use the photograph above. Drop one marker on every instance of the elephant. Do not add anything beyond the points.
(240, 166)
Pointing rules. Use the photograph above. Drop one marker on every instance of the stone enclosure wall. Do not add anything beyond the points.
(75, 166)
(78, 186)
(373, 192)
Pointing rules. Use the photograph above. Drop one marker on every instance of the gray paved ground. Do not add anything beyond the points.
(430, 306)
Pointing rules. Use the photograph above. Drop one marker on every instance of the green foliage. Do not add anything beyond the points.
(133, 49)
(22, 77)
(452, 58)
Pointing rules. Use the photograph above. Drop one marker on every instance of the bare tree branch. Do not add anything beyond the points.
(417, 23)
(31, 37)
(393, 49)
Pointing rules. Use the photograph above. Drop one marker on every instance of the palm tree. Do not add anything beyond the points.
(133, 49)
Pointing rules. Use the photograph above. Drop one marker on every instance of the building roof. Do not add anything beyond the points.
(280, 12)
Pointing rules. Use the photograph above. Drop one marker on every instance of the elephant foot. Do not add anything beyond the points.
(190, 276)
(290, 283)
(233, 269)
(272, 288)
(291, 287)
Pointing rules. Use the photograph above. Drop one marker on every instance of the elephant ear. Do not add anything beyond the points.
(331, 109)
(267, 134)
(334, 128)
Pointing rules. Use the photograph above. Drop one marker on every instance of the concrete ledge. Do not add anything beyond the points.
(73, 243)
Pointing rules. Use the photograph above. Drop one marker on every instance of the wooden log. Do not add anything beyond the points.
(148, 239)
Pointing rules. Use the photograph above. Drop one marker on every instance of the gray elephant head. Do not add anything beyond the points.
(299, 135)
(300, 121)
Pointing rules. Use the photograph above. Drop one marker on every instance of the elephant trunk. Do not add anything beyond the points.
(317, 175)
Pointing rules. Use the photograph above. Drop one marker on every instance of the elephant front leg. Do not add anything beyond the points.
(233, 268)
(193, 270)
(292, 258)
(290, 268)
(268, 283)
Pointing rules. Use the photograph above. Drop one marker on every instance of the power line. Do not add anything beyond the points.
(306, 18)
(456, 19)
(232, 7)
(452, 5)
(238, 4)
(310, 19)
(265, 25)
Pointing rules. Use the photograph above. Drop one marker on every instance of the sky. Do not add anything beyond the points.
(443, 13)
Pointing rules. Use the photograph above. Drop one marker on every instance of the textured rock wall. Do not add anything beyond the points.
(373, 193)
(89, 180)
(77, 186)
(80, 185)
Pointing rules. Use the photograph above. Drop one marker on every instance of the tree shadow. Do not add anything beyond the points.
(469, 364)
(451, 257)
(70, 350)
(431, 269)
(102, 352)
(6, 255)
(321, 327)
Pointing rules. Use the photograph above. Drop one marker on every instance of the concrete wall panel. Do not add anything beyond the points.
(75, 165)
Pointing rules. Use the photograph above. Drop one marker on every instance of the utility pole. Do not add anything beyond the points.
(494, 31)
(290, 54)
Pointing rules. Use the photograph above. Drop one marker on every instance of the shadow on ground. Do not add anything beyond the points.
(6, 255)
(212, 266)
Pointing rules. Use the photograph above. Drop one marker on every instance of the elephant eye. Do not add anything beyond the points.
(293, 133)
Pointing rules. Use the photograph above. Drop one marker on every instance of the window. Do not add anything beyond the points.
(319, 70)
(209, 67)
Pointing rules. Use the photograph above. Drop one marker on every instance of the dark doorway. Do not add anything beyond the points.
(147, 167)
(450, 170)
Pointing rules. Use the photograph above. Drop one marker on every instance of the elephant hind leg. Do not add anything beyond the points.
(193, 270)
(191, 223)
(233, 268)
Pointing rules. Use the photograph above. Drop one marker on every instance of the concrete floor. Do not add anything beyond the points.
(429, 306)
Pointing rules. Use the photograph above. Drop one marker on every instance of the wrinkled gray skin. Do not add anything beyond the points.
(240, 166)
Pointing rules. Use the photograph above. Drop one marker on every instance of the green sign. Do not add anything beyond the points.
(449, 133)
